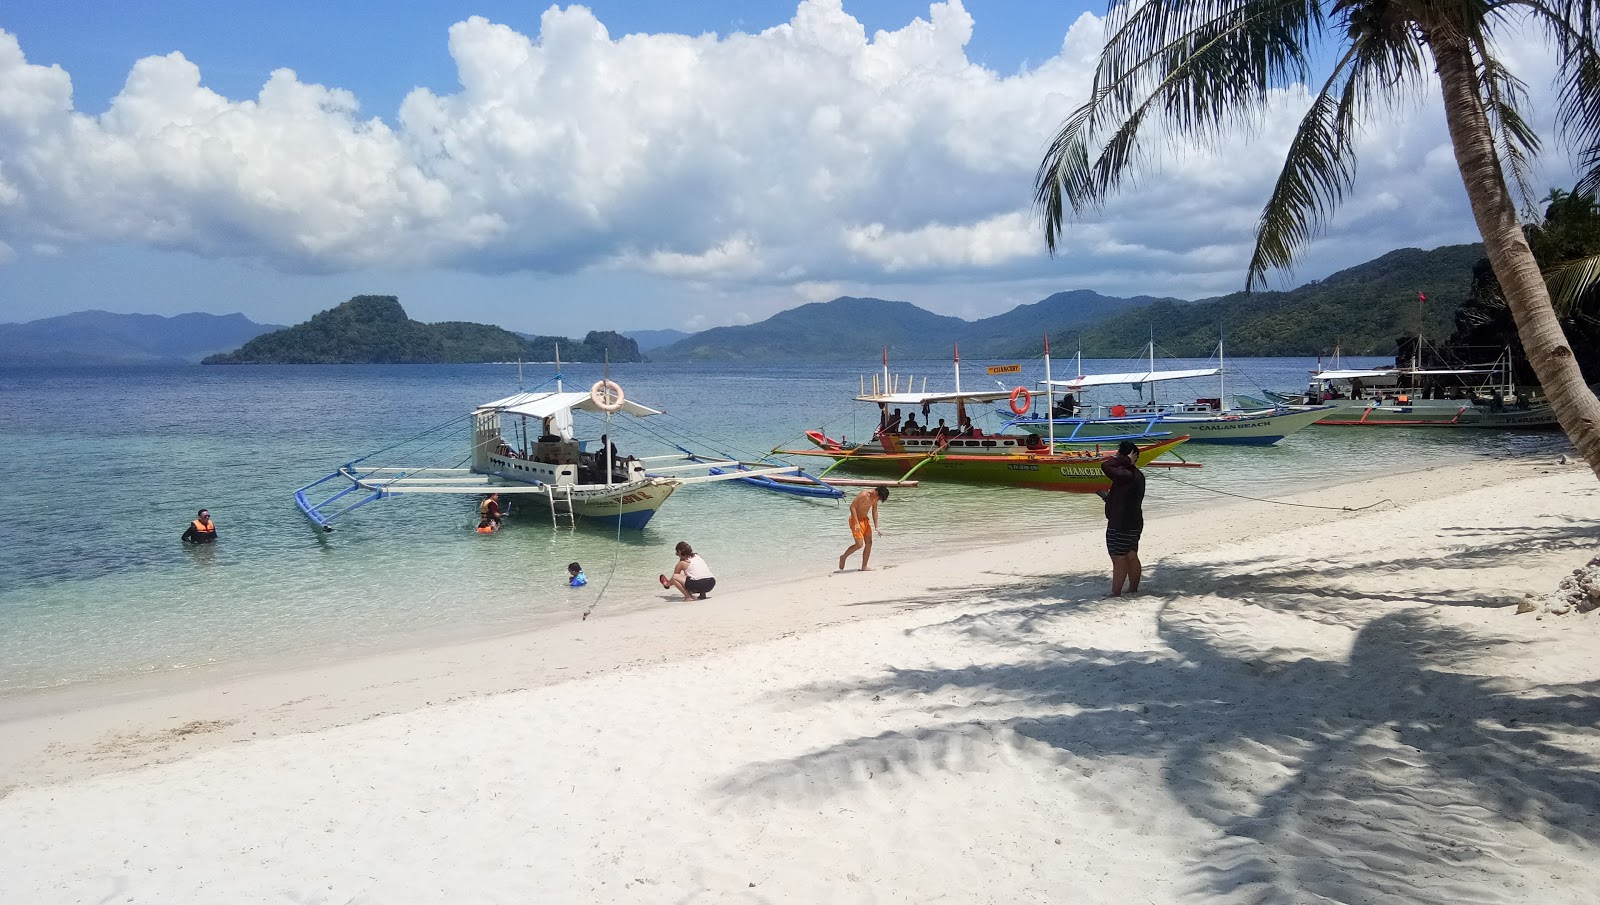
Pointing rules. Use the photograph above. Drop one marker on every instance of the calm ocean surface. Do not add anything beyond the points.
(105, 467)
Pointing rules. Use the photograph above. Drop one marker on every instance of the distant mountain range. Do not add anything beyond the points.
(848, 329)
(1363, 309)
(655, 339)
(103, 338)
(374, 329)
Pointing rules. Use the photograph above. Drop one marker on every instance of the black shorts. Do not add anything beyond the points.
(1121, 541)
(699, 585)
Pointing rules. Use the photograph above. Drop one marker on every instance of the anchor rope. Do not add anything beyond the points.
(1276, 502)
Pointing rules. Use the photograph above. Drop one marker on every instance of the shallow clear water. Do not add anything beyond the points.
(103, 468)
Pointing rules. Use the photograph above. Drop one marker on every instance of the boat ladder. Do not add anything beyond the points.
(560, 498)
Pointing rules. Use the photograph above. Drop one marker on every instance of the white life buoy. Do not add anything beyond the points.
(606, 395)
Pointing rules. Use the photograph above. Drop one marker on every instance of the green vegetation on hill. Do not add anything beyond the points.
(845, 329)
(850, 329)
(1363, 310)
(374, 329)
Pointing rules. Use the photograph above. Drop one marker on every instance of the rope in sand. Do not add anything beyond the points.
(1276, 502)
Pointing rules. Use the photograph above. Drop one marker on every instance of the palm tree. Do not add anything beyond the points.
(1202, 66)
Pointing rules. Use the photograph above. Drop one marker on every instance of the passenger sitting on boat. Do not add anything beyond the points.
(894, 423)
(910, 429)
(1066, 407)
(1521, 403)
(1497, 401)
(202, 530)
(942, 430)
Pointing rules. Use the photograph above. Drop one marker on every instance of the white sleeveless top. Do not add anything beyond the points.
(698, 569)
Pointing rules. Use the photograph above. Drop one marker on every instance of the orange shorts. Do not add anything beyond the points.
(860, 529)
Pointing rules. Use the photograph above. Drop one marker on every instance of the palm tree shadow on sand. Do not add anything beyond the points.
(1390, 775)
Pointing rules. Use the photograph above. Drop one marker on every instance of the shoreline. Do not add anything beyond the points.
(84, 730)
(634, 595)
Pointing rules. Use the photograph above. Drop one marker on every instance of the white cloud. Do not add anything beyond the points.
(809, 155)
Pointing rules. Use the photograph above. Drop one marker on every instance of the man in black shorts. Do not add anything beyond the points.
(1124, 517)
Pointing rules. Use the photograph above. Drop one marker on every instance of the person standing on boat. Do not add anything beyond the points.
(202, 530)
(691, 575)
(863, 521)
(1124, 517)
(489, 510)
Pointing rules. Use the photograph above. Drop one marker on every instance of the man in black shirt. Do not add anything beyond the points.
(1124, 517)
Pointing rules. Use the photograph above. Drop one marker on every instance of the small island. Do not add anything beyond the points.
(374, 329)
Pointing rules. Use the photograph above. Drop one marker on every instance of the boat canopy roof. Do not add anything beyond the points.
(1396, 372)
(545, 405)
(931, 398)
(1131, 377)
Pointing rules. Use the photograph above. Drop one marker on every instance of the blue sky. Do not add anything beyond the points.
(560, 169)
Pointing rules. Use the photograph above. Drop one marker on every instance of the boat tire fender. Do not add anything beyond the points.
(1021, 401)
(606, 395)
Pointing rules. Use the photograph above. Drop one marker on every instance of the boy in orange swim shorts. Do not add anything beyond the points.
(863, 521)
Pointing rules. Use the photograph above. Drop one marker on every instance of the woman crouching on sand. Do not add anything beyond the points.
(691, 575)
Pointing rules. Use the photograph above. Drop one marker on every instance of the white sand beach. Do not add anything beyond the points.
(1303, 705)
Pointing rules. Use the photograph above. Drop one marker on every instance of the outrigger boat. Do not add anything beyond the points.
(550, 468)
(1411, 395)
(1024, 460)
(1205, 420)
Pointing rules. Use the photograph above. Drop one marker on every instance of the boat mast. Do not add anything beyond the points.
(558, 367)
(1152, 364)
(1049, 396)
(1222, 377)
(961, 405)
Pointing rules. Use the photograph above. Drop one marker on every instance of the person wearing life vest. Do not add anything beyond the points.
(202, 530)
(489, 510)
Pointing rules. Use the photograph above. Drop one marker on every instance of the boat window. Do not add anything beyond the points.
(989, 443)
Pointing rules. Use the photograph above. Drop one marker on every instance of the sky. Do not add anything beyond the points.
(625, 165)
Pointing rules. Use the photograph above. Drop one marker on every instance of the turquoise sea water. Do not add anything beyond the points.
(104, 468)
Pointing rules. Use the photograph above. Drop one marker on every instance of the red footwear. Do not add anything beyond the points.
(664, 582)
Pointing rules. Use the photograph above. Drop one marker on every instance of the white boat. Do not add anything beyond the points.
(1204, 420)
(548, 466)
(1475, 396)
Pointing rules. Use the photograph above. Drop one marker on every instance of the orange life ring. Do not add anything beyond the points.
(1021, 401)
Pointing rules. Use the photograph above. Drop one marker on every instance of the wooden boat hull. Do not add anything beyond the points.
(1077, 472)
(1241, 429)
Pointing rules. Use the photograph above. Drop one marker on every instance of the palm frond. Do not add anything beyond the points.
(1515, 141)
(1317, 170)
(1219, 69)
(1574, 26)
(1571, 282)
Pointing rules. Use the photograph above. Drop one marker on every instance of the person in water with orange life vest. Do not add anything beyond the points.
(202, 530)
(489, 513)
(863, 521)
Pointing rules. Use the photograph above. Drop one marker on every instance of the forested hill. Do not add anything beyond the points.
(850, 329)
(374, 329)
(1362, 310)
